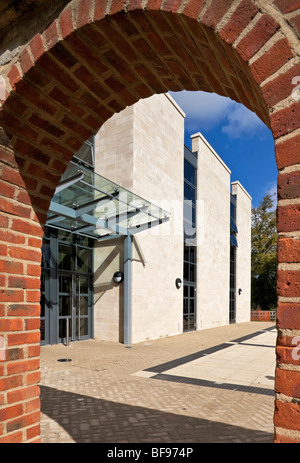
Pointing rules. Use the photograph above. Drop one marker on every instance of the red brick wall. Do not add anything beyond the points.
(93, 60)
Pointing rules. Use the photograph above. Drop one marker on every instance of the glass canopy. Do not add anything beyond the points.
(91, 205)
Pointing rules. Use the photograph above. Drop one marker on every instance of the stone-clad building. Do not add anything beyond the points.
(202, 239)
(57, 88)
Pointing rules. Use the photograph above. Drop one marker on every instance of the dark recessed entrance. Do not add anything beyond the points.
(67, 287)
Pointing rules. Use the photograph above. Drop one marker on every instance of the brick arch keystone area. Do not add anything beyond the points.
(59, 84)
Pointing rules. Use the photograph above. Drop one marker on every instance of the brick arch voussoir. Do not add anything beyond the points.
(218, 67)
(66, 83)
(237, 80)
(57, 100)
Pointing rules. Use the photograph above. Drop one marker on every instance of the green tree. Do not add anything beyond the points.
(264, 254)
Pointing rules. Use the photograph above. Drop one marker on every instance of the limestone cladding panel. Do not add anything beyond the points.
(114, 148)
(141, 149)
(113, 160)
(213, 228)
(243, 254)
(158, 176)
(108, 297)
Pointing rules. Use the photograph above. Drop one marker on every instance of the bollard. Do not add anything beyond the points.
(67, 332)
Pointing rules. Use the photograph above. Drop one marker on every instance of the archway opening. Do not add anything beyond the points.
(211, 315)
(86, 75)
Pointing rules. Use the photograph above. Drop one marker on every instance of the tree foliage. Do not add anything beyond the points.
(264, 254)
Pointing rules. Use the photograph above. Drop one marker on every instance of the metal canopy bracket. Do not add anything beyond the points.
(147, 226)
(91, 222)
(69, 182)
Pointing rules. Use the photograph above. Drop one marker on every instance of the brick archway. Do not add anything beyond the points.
(95, 58)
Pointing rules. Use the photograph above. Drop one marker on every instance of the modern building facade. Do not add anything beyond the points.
(135, 200)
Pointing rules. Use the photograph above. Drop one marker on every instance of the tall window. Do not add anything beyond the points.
(232, 293)
(190, 248)
(233, 247)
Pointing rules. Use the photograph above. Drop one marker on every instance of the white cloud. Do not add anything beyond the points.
(205, 111)
(241, 122)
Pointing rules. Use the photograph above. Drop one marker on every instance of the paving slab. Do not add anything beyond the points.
(209, 386)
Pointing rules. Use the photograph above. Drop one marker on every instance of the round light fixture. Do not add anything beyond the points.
(118, 277)
(178, 283)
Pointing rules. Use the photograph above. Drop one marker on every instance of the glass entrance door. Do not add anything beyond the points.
(66, 287)
(74, 308)
(189, 287)
(82, 306)
(189, 305)
(65, 307)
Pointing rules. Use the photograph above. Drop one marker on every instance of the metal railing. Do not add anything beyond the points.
(263, 315)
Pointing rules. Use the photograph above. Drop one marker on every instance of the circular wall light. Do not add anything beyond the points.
(118, 277)
(178, 283)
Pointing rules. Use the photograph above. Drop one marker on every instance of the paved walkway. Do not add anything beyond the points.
(213, 386)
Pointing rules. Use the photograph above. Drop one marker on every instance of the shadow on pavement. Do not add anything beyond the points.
(89, 419)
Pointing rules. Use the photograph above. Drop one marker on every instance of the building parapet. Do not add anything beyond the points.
(203, 139)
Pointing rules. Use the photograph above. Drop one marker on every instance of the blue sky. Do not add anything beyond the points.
(239, 137)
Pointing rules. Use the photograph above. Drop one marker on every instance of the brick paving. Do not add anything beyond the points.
(213, 386)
